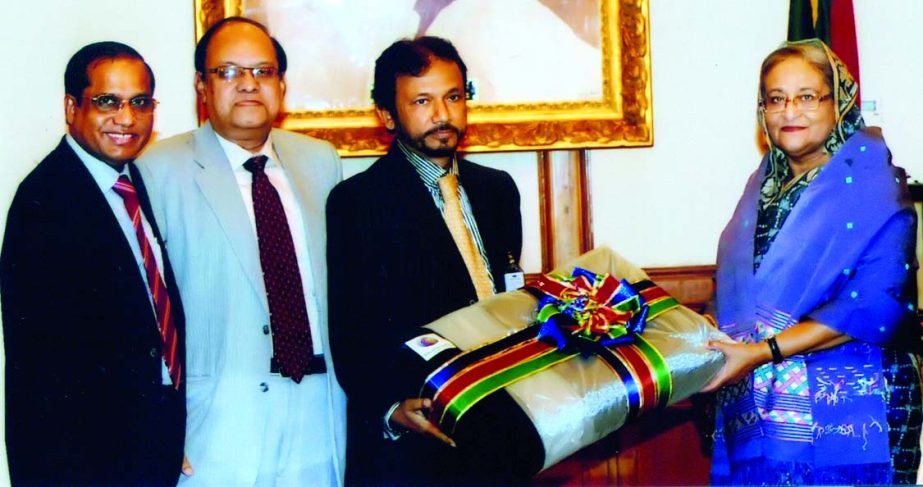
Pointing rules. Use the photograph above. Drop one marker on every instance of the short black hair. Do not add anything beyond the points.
(410, 57)
(77, 76)
(201, 48)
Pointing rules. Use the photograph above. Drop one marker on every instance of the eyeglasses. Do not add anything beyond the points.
(231, 72)
(805, 102)
(108, 103)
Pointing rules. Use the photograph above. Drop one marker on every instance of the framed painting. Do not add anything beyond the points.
(545, 74)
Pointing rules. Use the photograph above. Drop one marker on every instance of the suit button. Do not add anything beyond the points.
(265, 329)
(472, 301)
(264, 387)
(153, 352)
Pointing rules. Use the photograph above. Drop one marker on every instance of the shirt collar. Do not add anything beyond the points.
(104, 174)
(237, 155)
(429, 171)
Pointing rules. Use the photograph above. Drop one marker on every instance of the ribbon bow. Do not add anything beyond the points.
(589, 306)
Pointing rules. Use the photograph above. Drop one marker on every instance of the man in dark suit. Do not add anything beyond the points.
(92, 322)
(396, 263)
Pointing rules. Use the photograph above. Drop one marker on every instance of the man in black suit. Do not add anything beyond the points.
(395, 265)
(92, 322)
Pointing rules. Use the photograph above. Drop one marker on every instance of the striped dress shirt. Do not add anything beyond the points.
(430, 173)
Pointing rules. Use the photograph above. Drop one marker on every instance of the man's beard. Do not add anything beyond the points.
(419, 143)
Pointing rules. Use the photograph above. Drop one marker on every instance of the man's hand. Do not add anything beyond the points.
(187, 467)
(410, 414)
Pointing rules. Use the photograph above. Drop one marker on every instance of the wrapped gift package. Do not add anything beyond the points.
(591, 346)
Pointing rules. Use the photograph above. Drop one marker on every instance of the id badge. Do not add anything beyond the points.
(514, 280)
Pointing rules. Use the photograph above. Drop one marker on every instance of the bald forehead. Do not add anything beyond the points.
(239, 34)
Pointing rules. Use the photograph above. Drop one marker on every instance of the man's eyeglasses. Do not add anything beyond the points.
(805, 102)
(107, 103)
(231, 72)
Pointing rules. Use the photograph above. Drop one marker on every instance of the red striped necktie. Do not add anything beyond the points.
(159, 295)
(288, 315)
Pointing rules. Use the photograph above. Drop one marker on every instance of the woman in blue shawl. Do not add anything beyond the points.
(816, 284)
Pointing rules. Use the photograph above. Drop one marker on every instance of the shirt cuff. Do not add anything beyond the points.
(388, 432)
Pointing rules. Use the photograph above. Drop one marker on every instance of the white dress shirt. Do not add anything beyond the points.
(237, 156)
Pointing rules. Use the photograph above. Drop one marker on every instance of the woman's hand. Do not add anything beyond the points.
(739, 360)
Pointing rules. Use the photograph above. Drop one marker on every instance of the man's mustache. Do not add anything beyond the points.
(442, 126)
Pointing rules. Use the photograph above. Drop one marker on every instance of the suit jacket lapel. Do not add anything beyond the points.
(219, 186)
(312, 207)
(145, 202)
(102, 229)
(86, 195)
(480, 203)
(409, 188)
(169, 278)
(423, 219)
(483, 207)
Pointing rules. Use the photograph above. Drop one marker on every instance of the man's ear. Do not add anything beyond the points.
(386, 118)
(70, 109)
(200, 86)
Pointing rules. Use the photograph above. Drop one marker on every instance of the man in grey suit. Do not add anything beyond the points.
(241, 207)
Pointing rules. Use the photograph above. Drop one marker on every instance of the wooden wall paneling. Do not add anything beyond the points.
(663, 448)
(694, 286)
(565, 206)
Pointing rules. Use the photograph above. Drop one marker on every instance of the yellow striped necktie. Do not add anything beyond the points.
(455, 220)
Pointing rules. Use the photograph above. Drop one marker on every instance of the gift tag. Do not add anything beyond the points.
(428, 345)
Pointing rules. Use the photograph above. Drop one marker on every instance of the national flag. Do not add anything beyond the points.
(831, 21)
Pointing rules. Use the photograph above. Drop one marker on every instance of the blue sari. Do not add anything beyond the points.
(843, 256)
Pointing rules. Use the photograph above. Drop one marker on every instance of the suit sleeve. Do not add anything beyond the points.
(356, 341)
(337, 163)
(35, 307)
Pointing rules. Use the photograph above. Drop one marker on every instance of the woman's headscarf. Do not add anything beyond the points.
(778, 193)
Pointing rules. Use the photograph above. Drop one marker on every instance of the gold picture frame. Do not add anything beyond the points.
(621, 117)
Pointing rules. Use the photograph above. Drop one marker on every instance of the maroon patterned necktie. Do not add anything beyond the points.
(288, 315)
(159, 296)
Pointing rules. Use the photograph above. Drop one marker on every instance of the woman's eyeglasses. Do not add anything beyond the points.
(805, 102)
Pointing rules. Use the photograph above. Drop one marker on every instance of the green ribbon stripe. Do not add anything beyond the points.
(659, 369)
(661, 307)
(468, 398)
(478, 391)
